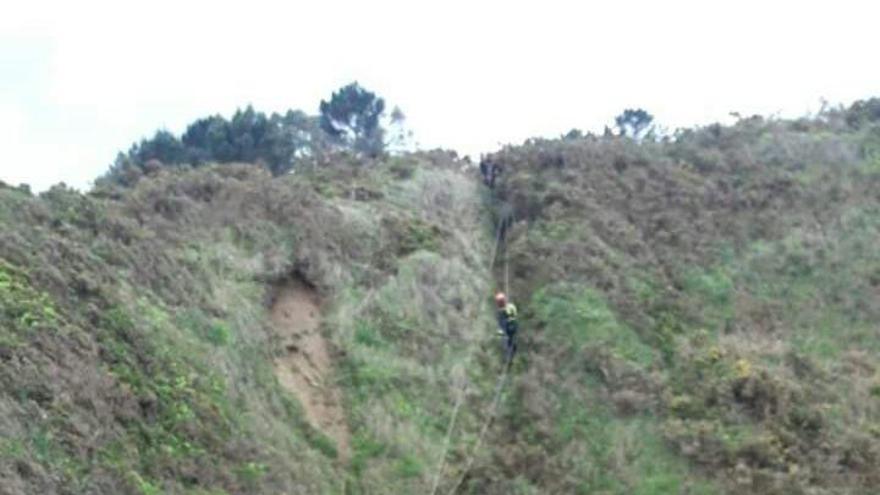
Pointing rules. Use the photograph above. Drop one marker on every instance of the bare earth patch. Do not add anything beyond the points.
(305, 368)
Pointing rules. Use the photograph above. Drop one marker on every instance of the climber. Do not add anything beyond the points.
(485, 165)
(507, 322)
(490, 170)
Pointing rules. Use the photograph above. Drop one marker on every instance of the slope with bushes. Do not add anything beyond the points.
(138, 354)
(698, 316)
(700, 311)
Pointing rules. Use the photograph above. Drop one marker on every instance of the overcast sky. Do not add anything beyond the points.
(81, 80)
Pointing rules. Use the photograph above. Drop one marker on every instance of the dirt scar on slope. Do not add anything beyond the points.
(304, 368)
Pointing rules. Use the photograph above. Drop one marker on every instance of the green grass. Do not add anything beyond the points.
(366, 448)
(366, 334)
(251, 473)
(578, 316)
(409, 467)
(714, 291)
(144, 486)
(619, 455)
(215, 332)
(22, 307)
(12, 448)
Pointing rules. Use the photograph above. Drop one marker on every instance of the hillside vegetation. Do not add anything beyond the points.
(712, 299)
(698, 316)
(137, 355)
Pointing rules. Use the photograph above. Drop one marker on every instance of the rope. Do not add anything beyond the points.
(506, 275)
(496, 400)
(495, 249)
(459, 400)
(510, 222)
(499, 388)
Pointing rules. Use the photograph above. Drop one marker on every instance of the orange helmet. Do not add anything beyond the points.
(500, 299)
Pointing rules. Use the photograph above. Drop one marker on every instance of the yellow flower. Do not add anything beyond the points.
(743, 368)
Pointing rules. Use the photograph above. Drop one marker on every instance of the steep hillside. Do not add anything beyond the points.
(140, 353)
(698, 316)
(701, 313)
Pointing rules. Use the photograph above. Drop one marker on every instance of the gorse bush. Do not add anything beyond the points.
(719, 281)
(23, 308)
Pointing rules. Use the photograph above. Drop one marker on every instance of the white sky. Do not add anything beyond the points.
(81, 80)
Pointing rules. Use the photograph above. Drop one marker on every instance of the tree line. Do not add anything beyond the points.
(352, 119)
